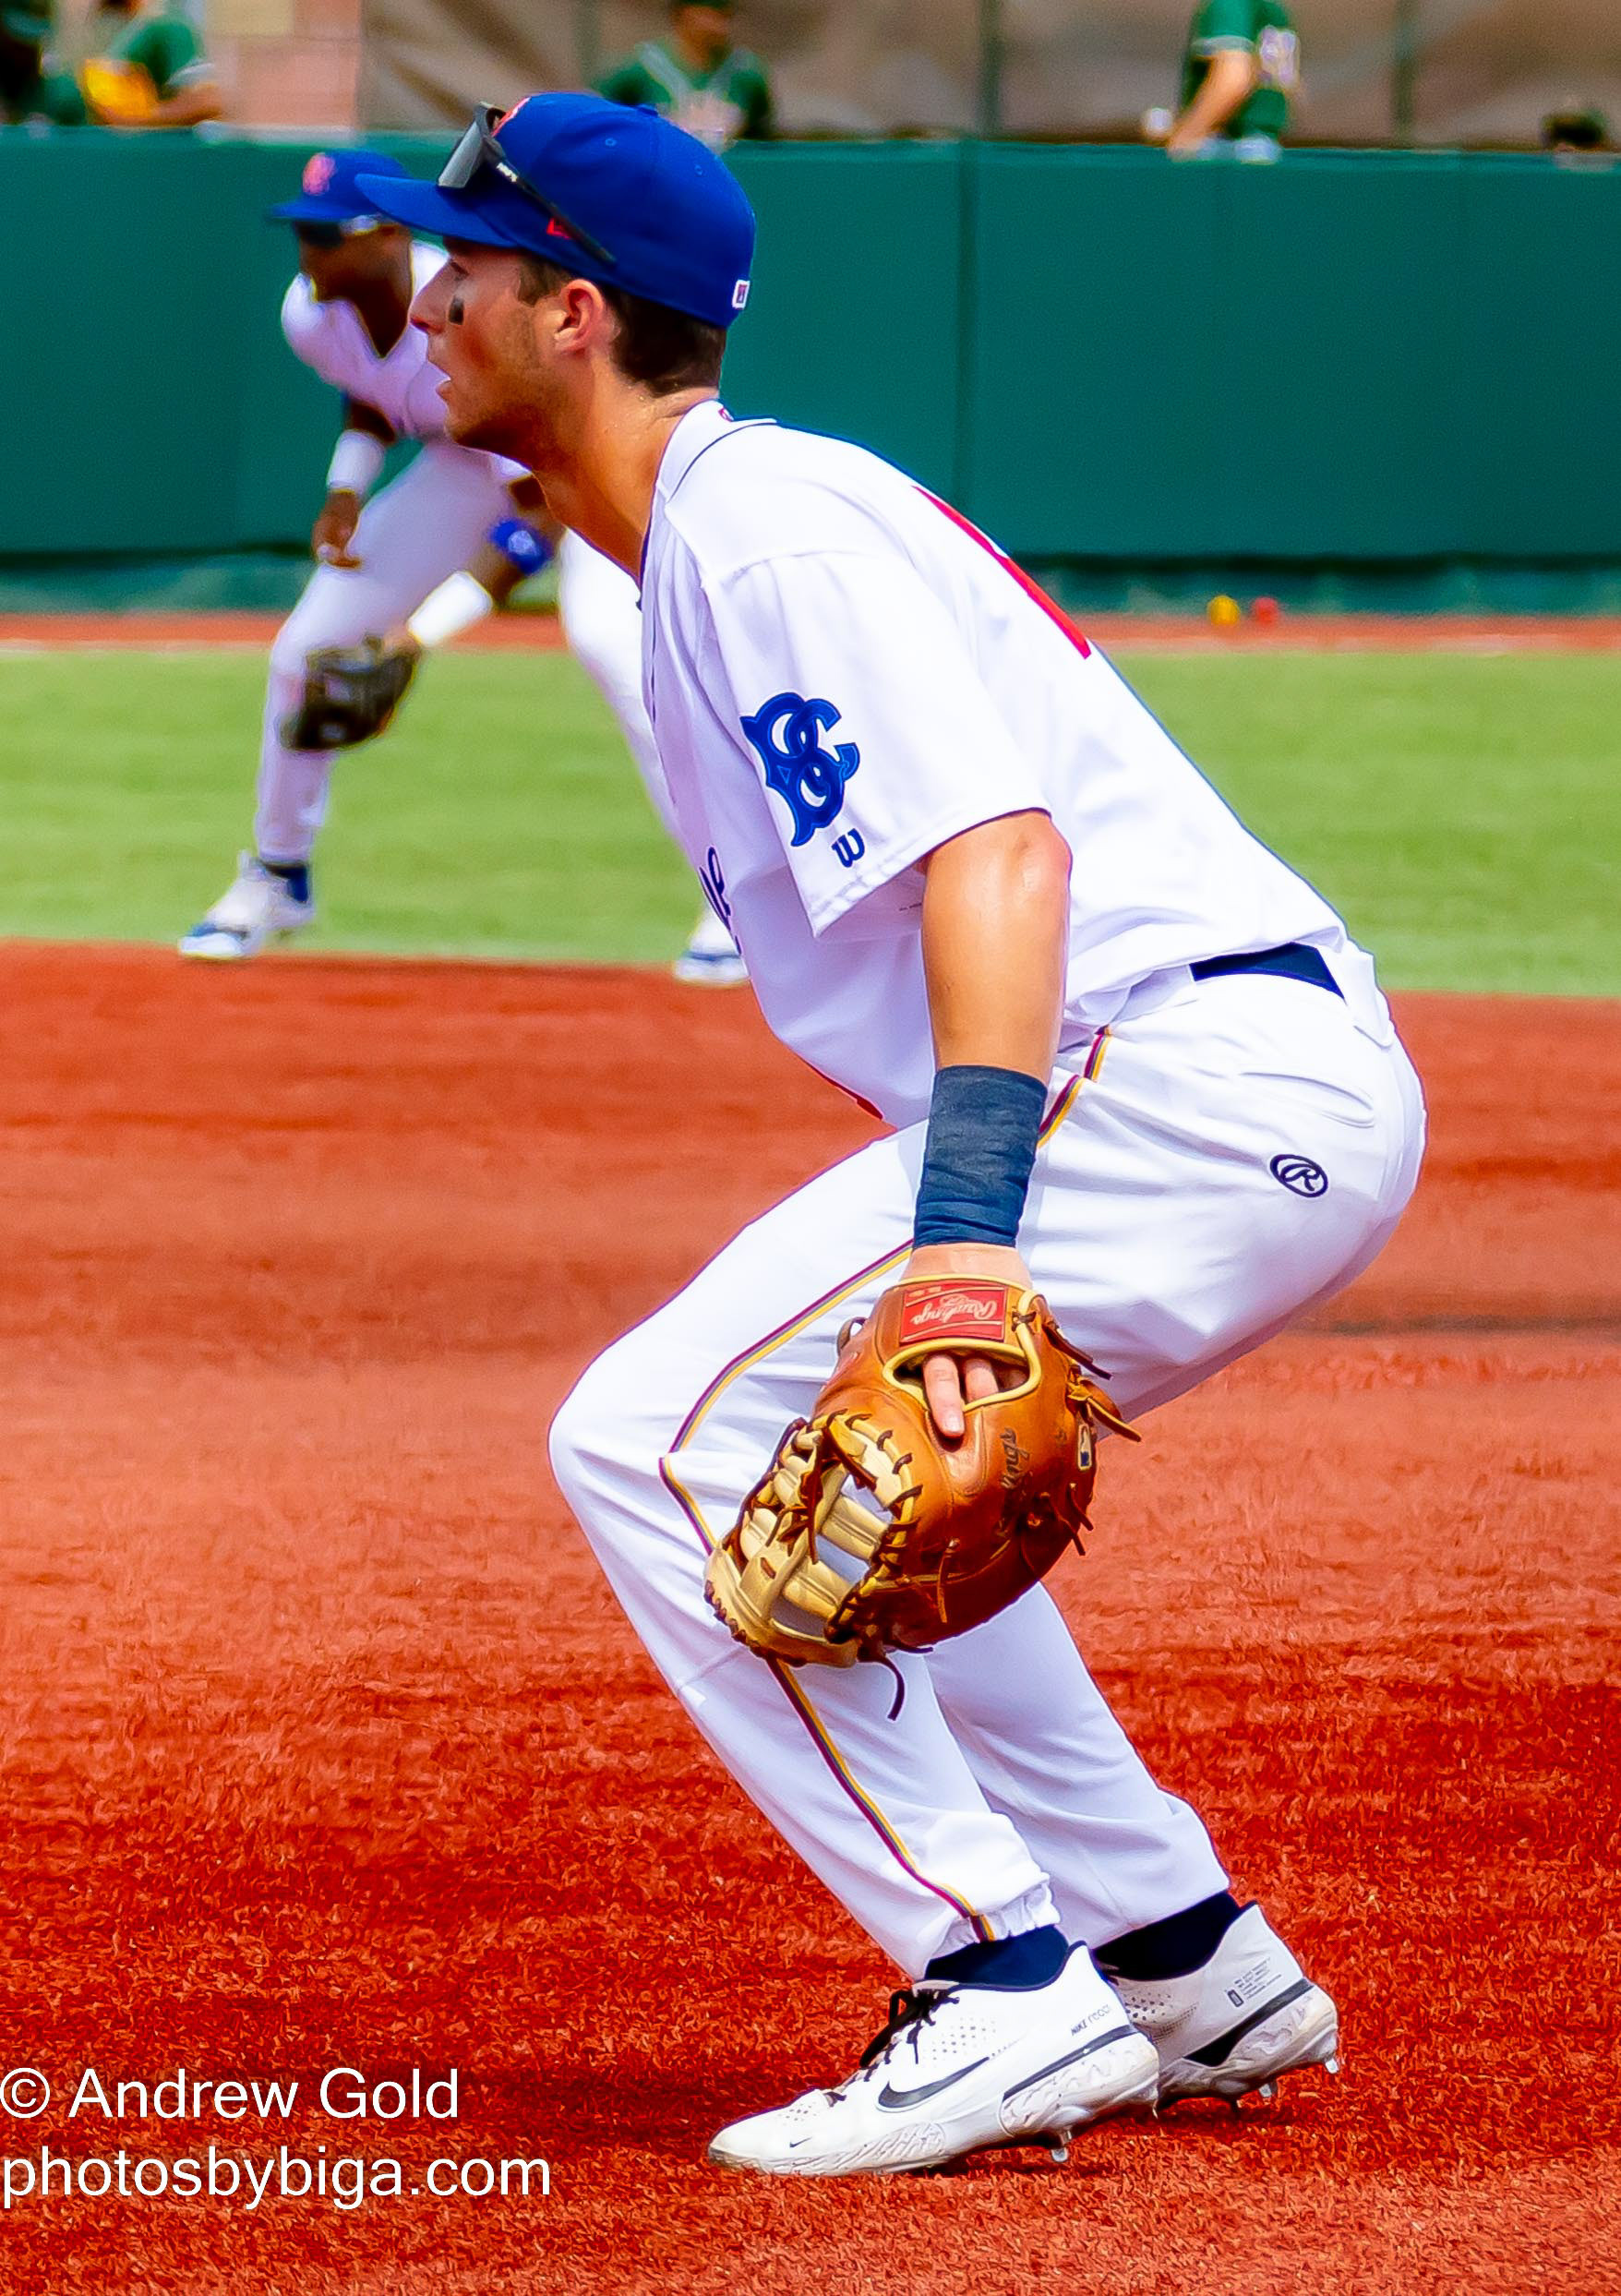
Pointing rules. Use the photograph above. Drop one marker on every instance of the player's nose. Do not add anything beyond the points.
(427, 310)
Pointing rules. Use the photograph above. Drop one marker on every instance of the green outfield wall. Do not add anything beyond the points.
(1354, 357)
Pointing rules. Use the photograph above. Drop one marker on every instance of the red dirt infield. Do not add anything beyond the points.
(325, 1745)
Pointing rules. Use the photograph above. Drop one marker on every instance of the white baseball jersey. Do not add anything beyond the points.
(331, 338)
(843, 673)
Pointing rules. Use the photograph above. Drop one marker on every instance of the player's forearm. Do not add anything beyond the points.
(995, 938)
(511, 553)
(995, 944)
(190, 107)
(1229, 82)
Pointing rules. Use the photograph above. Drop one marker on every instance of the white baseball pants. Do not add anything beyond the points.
(420, 528)
(1004, 1792)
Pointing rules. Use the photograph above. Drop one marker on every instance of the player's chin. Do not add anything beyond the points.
(463, 422)
(482, 426)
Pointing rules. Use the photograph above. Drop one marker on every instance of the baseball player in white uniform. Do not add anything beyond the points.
(421, 561)
(600, 611)
(1127, 1056)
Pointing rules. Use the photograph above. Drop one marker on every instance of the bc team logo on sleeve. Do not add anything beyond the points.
(785, 734)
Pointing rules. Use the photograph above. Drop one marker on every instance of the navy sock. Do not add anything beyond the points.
(295, 875)
(1172, 1947)
(1013, 1965)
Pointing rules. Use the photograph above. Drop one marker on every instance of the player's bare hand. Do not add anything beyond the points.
(949, 1380)
(334, 529)
(399, 640)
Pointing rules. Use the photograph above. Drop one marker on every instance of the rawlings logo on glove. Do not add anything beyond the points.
(869, 1532)
(959, 1311)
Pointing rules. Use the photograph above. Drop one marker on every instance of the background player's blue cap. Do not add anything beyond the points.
(330, 191)
(613, 193)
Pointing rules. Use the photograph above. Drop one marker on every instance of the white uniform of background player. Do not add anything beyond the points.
(420, 528)
(600, 610)
(849, 687)
(417, 531)
(415, 534)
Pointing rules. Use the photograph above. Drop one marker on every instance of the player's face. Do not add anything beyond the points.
(502, 386)
(707, 32)
(337, 267)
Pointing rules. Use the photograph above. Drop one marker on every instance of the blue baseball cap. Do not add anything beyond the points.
(329, 193)
(612, 192)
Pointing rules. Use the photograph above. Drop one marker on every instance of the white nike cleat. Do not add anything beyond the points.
(711, 958)
(1248, 2016)
(256, 909)
(958, 2067)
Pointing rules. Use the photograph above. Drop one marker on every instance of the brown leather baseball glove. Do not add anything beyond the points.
(932, 1537)
(350, 694)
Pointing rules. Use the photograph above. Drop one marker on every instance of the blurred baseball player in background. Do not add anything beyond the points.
(1128, 1055)
(149, 69)
(33, 84)
(1240, 70)
(719, 93)
(408, 568)
(697, 77)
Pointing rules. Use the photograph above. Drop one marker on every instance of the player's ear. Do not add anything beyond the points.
(586, 322)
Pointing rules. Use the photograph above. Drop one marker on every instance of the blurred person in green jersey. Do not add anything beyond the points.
(34, 90)
(148, 68)
(696, 77)
(1239, 68)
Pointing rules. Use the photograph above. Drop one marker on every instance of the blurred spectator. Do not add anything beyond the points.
(696, 77)
(148, 68)
(1239, 70)
(32, 86)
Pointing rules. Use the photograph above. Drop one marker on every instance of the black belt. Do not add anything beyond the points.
(1295, 961)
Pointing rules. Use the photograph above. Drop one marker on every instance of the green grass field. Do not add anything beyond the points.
(1463, 812)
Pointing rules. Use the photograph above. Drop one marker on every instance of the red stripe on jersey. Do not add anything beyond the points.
(1032, 589)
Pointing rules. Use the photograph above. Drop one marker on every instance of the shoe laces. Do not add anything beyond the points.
(910, 2011)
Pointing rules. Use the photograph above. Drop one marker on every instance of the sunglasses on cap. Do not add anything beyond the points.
(479, 154)
(334, 234)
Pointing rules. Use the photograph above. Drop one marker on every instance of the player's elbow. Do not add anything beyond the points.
(1009, 873)
(1030, 850)
(1046, 859)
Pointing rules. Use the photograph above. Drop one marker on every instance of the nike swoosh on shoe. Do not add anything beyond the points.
(897, 2100)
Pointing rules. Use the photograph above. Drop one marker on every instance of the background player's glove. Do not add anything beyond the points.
(942, 1535)
(350, 694)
